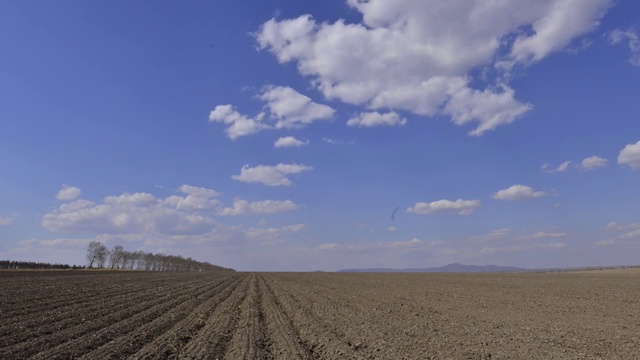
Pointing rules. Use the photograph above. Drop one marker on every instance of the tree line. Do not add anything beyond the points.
(99, 256)
(30, 265)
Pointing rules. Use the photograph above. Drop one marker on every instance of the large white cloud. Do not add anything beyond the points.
(518, 192)
(416, 55)
(460, 207)
(285, 108)
(143, 213)
(68, 193)
(630, 156)
(275, 175)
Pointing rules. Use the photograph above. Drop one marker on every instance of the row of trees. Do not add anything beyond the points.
(99, 256)
(30, 265)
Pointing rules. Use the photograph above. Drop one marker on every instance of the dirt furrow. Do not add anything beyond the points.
(250, 341)
(76, 290)
(85, 339)
(286, 342)
(213, 339)
(173, 341)
(51, 321)
(139, 332)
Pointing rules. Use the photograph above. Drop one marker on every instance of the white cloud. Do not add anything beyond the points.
(375, 119)
(292, 109)
(197, 198)
(392, 229)
(289, 141)
(266, 207)
(460, 207)
(286, 109)
(630, 156)
(142, 213)
(6, 220)
(416, 55)
(590, 163)
(517, 192)
(68, 193)
(593, 162)
(270, 175)
(199, 191)
(239, 124)
(633, 41)
(562, 21)
(489, 108)
(561, 168)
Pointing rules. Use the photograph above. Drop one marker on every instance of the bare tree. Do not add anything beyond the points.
(101, 255)
(93, 252)
(115, 257)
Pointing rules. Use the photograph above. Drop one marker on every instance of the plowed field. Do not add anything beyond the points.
(141, 315)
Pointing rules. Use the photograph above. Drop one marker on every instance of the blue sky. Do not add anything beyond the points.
(283, 135)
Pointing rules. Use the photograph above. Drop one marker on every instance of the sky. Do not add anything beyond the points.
(286, 135)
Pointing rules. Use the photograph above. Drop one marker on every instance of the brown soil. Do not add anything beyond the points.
(141, 315)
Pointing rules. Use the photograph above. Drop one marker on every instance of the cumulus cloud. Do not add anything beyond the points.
(285, 108)
(488, 107)
(197, 198)
(292, 109)
(68, 193)
(459, 207)
(376, 119)
(561, 22)
(416, 55)
(630, 156)
(619, 36)
(289, 141)
(6, 220)
(239, 124)
(270, 175)
(518, 192)
(141, 213)
(593, 162)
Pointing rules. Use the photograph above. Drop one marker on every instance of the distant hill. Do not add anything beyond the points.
(451, 268)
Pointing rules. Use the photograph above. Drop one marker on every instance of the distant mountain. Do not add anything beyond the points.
(451, 268)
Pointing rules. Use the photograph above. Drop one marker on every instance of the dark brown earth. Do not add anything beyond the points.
(141, 315)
